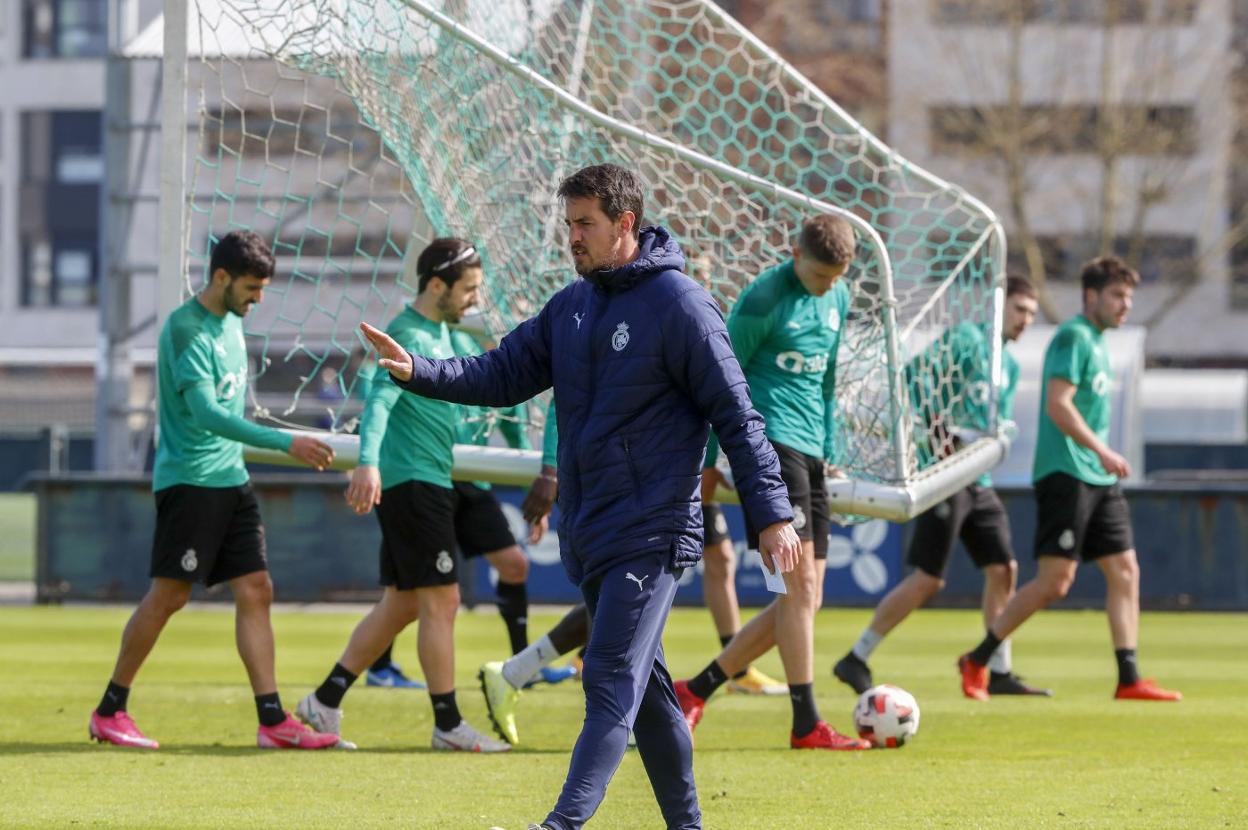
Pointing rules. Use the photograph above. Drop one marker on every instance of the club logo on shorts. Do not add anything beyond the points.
(942, 510)
(799, 517)
(189, 560)
(620, 339)
(1067, 540)
(444, 563)
(834, 319)
(721, 524)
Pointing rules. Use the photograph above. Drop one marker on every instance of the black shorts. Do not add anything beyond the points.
(480, 525)
(207, 534)
(973, 514)
(714, 525)
(1077, 520)
(417, 536)
(803, 475)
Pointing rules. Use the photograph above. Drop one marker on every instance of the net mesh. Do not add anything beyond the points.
(351, 133)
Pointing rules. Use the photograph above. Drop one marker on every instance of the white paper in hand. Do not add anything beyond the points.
(773, 582)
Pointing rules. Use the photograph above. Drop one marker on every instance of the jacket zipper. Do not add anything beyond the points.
(596, 310)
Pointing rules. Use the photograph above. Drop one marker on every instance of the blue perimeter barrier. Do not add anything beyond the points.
(95, 536)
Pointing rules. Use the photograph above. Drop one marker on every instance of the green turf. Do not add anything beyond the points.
(17, 537)
(1077, 761)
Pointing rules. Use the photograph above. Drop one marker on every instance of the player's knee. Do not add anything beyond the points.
(512, 566)
(1124, 569)
(254, 590)
(169, 599)
(1058, 587)
(441, 603)
(1001, 577)
(717, 562)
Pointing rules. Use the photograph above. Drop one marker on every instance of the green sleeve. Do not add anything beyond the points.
(194, 365)
(512, 426)
(550, 438)
(712, 451)
(1005, 404)
(829, 378)
(1067, 357)
(381, 399)
(747, 331)
(202, 401)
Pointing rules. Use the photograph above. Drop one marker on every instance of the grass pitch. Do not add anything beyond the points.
(1079, 760)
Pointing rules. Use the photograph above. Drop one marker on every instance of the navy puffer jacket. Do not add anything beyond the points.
(640, 361)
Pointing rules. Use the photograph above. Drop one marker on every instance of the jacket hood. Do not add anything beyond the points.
(659, 253)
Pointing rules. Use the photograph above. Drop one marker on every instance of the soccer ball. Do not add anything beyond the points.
(886, 716)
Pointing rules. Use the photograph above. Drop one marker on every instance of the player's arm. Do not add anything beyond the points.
(699, 356)
(749, 324)
(540, 499)
(194, 380)
(519, 369)
(364, 491)
(1066, 365)
(1060, 407)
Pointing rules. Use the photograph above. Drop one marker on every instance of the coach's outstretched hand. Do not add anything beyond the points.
(390, 355)
(310, 451)
(780, 547)
(364, 491)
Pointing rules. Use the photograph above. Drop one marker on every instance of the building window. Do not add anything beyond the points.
(65, 28)
(59, 207)
(1052, 129)
(1067, 12)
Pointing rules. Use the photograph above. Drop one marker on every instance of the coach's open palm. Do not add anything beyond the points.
(780, 547)
(390, 355)
(364, 491)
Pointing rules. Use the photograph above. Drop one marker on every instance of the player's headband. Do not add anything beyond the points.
(465, 254)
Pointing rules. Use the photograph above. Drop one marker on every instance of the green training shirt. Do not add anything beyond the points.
(786, 341)
(478, 422)
(1077, 353)
(950, 379)
(201, 367)
(407, 437)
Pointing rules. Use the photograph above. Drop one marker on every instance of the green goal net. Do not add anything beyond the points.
(351, 133)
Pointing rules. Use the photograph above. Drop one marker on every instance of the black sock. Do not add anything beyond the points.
(384, 661)
(445, 711)
(724, 640)
(269, 709)
(114, 700)
(513, 606)
(708, 680)
(983, 652)
(1128, 672)
(331, 692)
(805, 715)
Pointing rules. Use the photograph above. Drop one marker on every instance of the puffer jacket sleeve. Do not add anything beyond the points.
(511, 374)
(699, 356)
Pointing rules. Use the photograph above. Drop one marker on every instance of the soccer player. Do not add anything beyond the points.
(482, 529)
(719, 560)
(406, 447)
(640, 361)
(785, 330)
(954, 375)
(1081, 512)
(208, 525)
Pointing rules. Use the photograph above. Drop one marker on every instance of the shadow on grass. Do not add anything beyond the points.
(82, 747)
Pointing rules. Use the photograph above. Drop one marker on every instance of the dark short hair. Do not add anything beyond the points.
(446, 258)
(1104, 271)
(616, 189)
(828, 238)
(241, 253)
(1018, 284)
